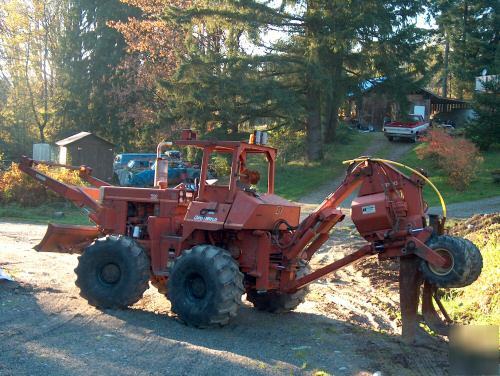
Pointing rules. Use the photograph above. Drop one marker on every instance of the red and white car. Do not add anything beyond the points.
(411, 128)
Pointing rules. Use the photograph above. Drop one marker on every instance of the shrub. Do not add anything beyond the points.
(290, 144)
(16, 186)
(458, 157)
(221, 165)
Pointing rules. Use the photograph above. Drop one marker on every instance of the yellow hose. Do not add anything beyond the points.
(443, 205)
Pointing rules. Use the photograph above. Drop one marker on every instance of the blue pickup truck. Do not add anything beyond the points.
(178, 172)
(138, 169)
(122, 160)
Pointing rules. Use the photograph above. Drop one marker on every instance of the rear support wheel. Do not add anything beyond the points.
(464, 262)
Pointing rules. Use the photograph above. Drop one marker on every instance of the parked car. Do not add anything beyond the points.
(140, 164)
(448, 128)
(120, 165)
(123, 175)
(178, 172)
(128, 165)
(121, 160)
(410, 128)
(174, 155)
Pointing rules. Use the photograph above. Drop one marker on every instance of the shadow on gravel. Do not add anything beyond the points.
(37, 339)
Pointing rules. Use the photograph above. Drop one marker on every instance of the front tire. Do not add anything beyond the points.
(205, 286)
(112, 272)
(465, 262)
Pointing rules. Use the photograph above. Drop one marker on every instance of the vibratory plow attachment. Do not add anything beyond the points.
(67, 238)
(410, 287)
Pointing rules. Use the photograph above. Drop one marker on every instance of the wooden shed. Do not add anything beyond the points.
(85, 148)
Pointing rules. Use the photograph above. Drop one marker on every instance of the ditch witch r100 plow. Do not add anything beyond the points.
(206, 244)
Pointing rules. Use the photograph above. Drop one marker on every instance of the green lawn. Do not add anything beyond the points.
(481, 187)
(297, 178)
(43, 214)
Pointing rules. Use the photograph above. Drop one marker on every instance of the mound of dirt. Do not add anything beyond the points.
(479, 228)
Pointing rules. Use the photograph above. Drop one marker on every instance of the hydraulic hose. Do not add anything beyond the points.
(426, 179)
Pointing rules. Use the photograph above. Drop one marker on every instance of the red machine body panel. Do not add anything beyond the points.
(370, 213)
(260, 212)
(209, 216)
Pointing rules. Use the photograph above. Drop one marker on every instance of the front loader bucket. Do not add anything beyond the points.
(67, 238)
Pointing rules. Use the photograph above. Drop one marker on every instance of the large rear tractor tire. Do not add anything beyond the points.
(205, 286)
(465, 262)
(275, 302)
(113, 272)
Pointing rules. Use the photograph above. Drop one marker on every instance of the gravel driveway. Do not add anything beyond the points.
(468, 209)
(348, 326)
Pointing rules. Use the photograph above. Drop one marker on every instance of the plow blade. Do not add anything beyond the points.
(67, 238)
(410, 282)
(430, 314)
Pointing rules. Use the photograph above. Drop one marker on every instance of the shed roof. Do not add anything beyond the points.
(437, 99)
(372, 83)
(78, 137)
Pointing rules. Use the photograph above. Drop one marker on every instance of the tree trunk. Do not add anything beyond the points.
(314, 145)
(445, 66)
(233, 127)
(42, 134)
(464, 48)
(332, 120)
(331, 129)
(334, 99)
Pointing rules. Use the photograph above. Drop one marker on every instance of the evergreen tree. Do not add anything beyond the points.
(470, 29)
(90, 53)
(484, 130)
(328, 48)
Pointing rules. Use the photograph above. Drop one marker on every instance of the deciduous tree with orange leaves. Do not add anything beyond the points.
(154, 48)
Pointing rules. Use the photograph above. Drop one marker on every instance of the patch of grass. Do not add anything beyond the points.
(44, 214)
(320, 373)
(297, 178)
(479, 303)
(482, 186)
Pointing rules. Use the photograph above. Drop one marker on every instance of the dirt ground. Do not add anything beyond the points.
(347, 326)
